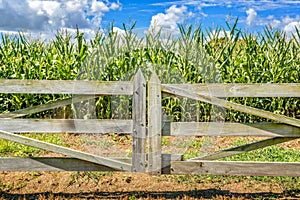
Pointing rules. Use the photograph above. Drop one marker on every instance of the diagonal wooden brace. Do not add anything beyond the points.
(48, 106)
(118, 165)
(243, 148)
(230, 105)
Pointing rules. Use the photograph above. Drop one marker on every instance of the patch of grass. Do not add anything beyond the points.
(165, 141)
(102, 143)
(132, 197)
(286, 183)
(194, 147)
(78, 177)
(5, 186)
(272, 153)
(193, 180)
(289, 185)
(8, 148)
(73, 179)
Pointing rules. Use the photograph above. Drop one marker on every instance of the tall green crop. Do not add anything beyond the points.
(197, 55)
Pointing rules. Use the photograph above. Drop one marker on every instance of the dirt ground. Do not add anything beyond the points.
(87, 185)
(109, 185)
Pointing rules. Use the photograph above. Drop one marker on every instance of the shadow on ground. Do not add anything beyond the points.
(201, 194)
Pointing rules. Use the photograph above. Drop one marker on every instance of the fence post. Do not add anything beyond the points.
(154, 125)
(139, 123)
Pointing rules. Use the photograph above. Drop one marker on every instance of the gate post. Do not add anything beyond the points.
(139, 123)
(154, 125)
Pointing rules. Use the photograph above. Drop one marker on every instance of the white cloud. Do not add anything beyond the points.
(287, 23)
(115, 6)
(256, 5)
(290, 28)
(168, 21)
(38, 16)
(15, 14)
(43, 7)
(118, 31)
(99, 6)
(251, 16)
(275, 23)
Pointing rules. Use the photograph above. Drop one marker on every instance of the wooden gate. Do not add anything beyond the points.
(285, 128)
(76, 160)
(147, 133)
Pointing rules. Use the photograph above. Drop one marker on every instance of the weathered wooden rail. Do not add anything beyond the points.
(283, 129)
(147, 133)
(76, 161)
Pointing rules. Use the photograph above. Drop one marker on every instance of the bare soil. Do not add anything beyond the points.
(87, 185)
(108, 185)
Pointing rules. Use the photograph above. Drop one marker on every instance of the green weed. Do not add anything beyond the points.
(272, 153)
(8, 148)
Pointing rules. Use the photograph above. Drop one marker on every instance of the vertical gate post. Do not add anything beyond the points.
(139, 123)
(154, 125)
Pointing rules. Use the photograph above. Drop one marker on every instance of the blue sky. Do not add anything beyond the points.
(44, 17)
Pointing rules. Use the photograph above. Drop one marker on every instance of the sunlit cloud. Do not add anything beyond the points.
(168, 22)
(251, 16)
(49, 15)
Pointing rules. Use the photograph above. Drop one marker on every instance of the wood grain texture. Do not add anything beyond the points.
(44, 107)
(66, 87)
(66, 126)
(65, 151)
(171, 89)
(242, 89)
(139, 123)
(237, 168)
(49, 164)
(69, 164)
(154, 124)
(230, 129)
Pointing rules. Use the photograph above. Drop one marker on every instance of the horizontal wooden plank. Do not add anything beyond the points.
(230, 129)
(69, 164)
(237, 168)
(66, 87)
(173, 90)
(243, 89)
(49, 164)
(47, 106)
(65, 151)
(65, 126)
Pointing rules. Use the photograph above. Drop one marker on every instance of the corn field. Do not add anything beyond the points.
(197, 55)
